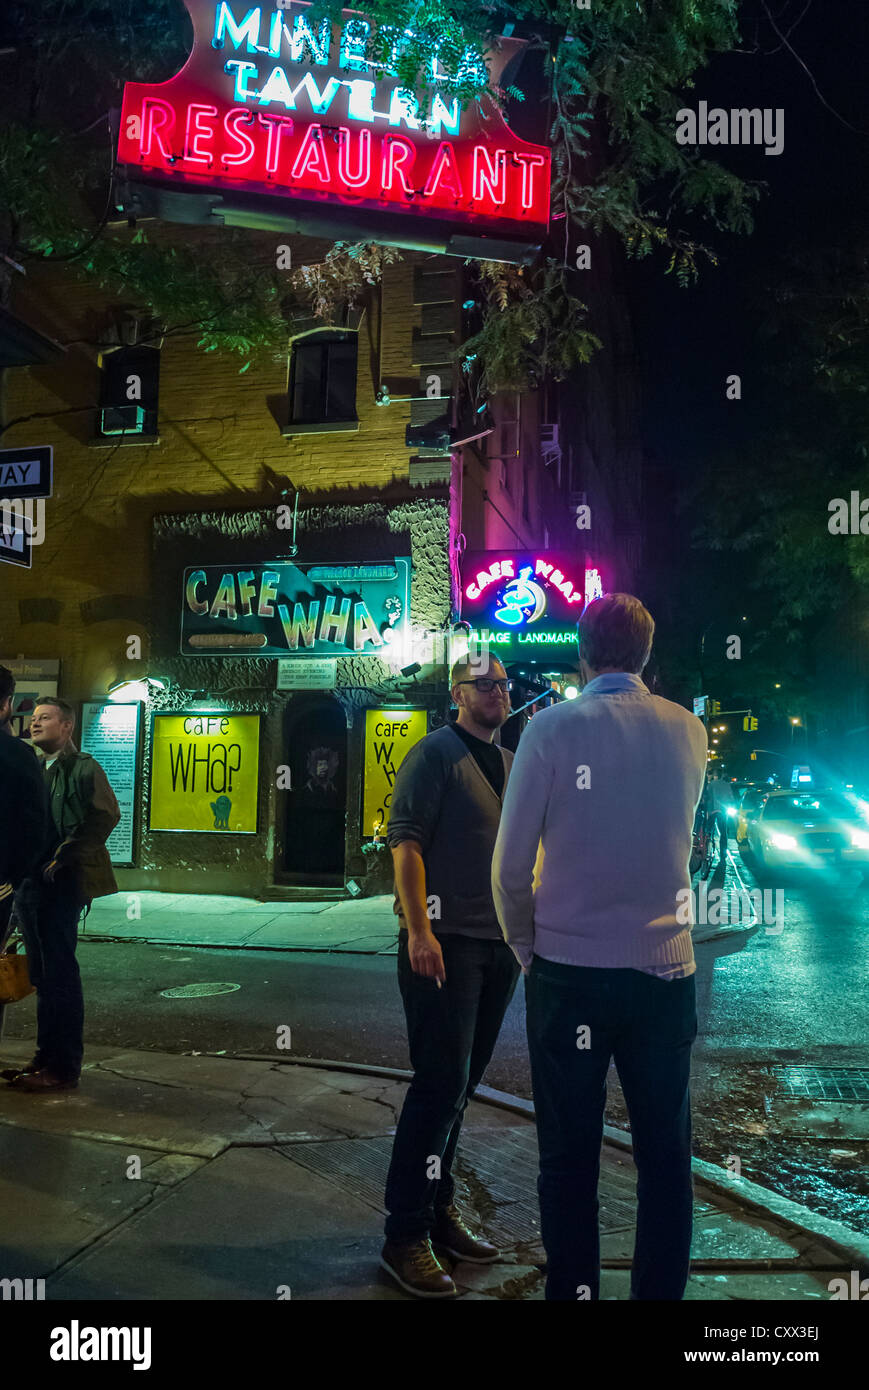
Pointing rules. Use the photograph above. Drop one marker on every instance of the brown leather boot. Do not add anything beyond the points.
(452, 1235)
(416, 1269)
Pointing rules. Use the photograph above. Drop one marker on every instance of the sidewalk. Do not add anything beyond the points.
(184, 1177)
(365, 926)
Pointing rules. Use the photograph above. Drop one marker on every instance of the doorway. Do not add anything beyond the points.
(315, 749)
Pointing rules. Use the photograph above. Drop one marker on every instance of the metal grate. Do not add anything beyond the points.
(824, 1083)
(496, 1179)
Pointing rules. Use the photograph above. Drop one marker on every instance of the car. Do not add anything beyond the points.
(809, 830)
(750, 805)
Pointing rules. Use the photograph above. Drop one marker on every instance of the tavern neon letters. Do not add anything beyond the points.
(255, 105)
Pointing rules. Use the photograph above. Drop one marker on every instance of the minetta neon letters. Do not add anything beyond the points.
(269, 102)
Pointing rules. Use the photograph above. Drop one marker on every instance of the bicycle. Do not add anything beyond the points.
(705, 847)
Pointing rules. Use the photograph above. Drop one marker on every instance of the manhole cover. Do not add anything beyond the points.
(824, 1083)
(196, 991)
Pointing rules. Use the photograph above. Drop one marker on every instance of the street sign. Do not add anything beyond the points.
(700, 706)
(15, 546)
(27, 471)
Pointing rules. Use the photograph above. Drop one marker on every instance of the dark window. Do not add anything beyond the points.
(129, 392)
(323, 379)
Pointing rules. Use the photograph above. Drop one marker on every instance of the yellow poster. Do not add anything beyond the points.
(204, 772)
(389, 734)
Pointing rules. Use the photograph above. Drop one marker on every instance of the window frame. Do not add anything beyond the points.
(321, 339)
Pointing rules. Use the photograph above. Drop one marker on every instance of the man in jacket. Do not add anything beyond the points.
(456, 974)
(74, 868)
(720, 804)
(608, 785)
(23, 805)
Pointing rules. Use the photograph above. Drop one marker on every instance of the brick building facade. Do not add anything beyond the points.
(218, 462)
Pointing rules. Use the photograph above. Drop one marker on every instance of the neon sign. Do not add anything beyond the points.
(269, 103)
(522, 602)
(505, 568)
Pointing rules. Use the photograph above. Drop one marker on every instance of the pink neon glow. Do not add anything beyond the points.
(491, 180)
(196, 132)
(529, 163)
(444, 173)
(277, 126)
(312, 158)
(362, 174)
(230, 124)
(392, 164)
(152, 128)
(504, 568)
(207, 128)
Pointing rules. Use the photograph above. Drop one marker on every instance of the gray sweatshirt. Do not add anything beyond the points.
(608, 784)
(445, 802)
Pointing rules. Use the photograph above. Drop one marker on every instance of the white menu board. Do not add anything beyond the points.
(110, 733)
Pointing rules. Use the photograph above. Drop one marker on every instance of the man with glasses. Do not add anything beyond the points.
(455, 972)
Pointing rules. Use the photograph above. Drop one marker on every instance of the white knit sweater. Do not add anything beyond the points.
(615, 851)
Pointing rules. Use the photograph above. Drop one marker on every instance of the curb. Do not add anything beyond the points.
(98, 937)
(851, 1247)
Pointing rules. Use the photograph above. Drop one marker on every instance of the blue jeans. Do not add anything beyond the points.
(48, 915)
(451, 1033)
(647, 1025)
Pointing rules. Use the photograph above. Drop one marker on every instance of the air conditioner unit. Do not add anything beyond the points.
(122, 419)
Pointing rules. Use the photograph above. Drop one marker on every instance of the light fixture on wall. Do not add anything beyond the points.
(136, 688)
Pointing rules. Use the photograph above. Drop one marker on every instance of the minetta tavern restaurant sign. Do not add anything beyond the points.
(526, 604)
(282, 609)
(272, 102)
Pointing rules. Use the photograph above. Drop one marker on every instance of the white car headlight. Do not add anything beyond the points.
(731, 810)
(783, 841)
(860, 839)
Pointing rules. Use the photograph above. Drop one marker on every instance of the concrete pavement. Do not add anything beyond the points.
(210, 1177)
(365, 926)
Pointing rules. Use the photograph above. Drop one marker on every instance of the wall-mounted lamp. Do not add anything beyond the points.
(136, 689)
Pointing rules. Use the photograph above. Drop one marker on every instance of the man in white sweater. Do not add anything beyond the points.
(608, 785)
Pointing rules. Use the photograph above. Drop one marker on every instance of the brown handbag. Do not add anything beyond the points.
(14, 978)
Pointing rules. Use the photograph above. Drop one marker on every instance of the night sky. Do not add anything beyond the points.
(692, 339)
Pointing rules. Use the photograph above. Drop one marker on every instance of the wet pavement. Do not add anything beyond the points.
(183, 1178)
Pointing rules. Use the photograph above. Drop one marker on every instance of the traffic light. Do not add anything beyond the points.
(753, 724)
(749, 724)
(714, 707)
(753, 757)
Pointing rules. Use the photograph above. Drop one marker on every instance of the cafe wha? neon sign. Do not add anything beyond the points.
(272, 102)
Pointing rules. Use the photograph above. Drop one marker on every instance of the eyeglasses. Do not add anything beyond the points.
(485, 684)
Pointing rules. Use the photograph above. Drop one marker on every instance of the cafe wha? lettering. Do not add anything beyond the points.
(306, 609)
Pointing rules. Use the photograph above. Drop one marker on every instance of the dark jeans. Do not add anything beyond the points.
(451, 1033)
(647, 1025)
(48, 915)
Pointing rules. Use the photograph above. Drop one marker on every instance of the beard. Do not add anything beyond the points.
(491, 718)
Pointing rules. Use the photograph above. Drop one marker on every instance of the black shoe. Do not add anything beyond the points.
(10, 1073)
(44, 1080)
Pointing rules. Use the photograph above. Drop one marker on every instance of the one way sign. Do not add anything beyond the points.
(27, 472)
